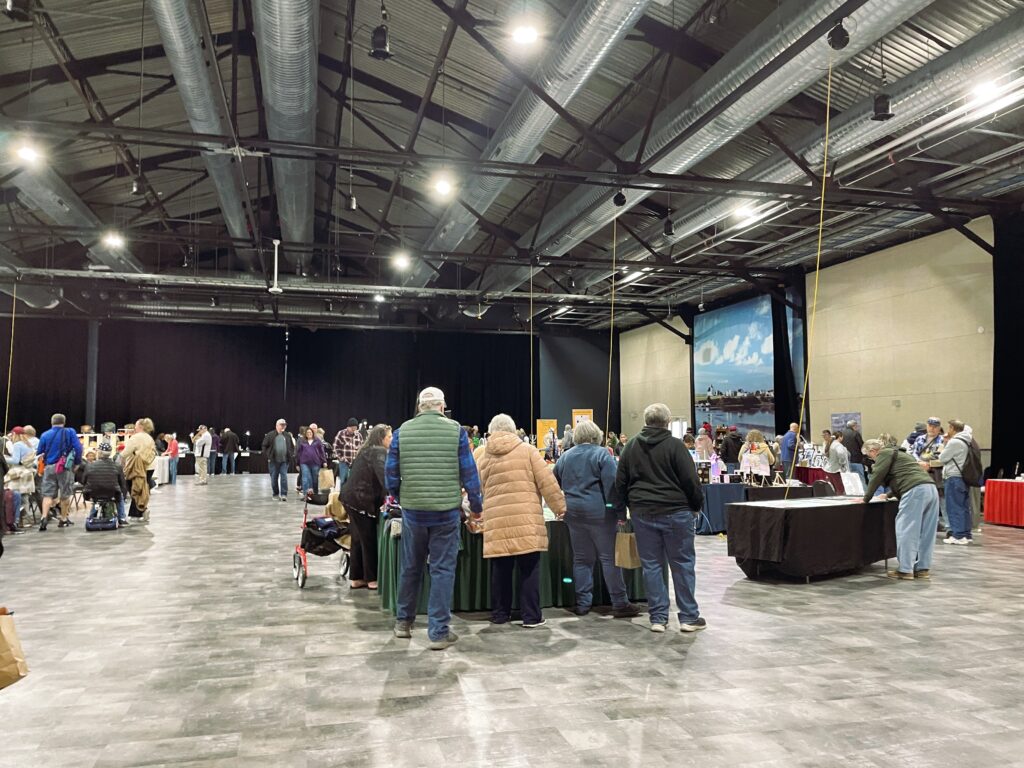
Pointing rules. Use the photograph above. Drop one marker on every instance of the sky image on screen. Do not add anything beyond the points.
(733, 366)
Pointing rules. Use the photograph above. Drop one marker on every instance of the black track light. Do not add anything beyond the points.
(669, 228)
(619, 199)
(838, 37)
(883, 107)
(351, 203)
(380, 38)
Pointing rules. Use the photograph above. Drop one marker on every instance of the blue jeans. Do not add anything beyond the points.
(441, 542)
(343, 470)
(279, 478)
(668, 537)
(16, 500)
(172, 471)
(916, 523)
(227, 463)
(211, 463)
(958, 507)
(310, 476)
(594, 541)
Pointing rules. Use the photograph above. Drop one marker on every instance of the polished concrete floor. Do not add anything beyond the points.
(188, 643)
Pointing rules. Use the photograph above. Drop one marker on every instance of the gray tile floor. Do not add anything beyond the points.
(187, 643)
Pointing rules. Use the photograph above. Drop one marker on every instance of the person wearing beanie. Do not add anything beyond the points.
(104, 479)
(346, 445)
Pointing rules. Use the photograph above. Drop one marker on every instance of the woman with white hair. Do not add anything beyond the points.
(514, 478)
(587, 476)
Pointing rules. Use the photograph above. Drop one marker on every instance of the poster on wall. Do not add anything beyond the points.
(734, 366)
(581, 414)
(838, 421)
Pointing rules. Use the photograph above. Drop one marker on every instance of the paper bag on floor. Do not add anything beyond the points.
(626, 554)
(325, 480)
(12, 658)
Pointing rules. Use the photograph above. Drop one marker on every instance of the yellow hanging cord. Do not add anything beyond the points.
(10, 361)
(533, 423)
(611, 332)
(817, 266)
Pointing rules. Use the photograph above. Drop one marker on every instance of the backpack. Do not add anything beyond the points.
(972, 471)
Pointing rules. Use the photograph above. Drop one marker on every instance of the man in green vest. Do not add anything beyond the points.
(427, 474)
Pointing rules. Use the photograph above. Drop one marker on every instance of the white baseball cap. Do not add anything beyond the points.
(430, 395)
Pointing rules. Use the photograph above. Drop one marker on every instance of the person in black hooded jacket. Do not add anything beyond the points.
(363, 494)
(657, 481)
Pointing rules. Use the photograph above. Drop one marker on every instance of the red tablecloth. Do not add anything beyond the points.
(1004, 502)
(808, 475)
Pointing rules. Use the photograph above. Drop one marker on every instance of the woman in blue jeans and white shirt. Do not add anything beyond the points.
(587, 476)
(311, 456)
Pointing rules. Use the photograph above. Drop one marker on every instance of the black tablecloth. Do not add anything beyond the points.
(717, 496)
(810, 538)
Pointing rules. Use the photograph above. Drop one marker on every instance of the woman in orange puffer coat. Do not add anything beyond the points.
(514, 478)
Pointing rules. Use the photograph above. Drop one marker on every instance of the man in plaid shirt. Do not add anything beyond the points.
(346, 445)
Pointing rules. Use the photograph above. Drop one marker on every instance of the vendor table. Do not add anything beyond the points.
(473, 574)
(810, 537)
(717, 496)
(808, 475)
(162, 470)
(1004, 502)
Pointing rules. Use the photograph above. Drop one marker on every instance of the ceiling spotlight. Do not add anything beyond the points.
(838, 38)
(138, 188)
(28, 154)
(328, 306)
(113, 240)
(883, 107)
(442, 185)
(700, 307)
(379, 298)
(401, 260)
(524, 33)
(351, 203)
(620, 198)
(380, 38)
(214, 301)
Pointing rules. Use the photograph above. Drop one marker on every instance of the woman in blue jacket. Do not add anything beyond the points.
(587, 476)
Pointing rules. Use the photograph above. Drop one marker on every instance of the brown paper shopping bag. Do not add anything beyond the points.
(626, 554)
(325, 480)
(12, 658)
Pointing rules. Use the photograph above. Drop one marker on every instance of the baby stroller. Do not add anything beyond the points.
(320, 537)
(103, 516)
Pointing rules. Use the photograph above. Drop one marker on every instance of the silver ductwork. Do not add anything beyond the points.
(177, 309)
(993, 54)
(32, 295)
(198, 81)
(589, 33)
(589, 209)
(287, 38)
(48, 192)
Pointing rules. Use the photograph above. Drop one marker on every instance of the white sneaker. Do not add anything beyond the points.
(962, 542)
(658, 627)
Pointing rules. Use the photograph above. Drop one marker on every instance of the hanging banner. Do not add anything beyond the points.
(581, 414)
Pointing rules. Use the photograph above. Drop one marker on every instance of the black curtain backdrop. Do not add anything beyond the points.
(185, 375)
(1008, 288)
(788, 389)
(574, 374)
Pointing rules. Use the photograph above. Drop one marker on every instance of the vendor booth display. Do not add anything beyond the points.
(1004, 502)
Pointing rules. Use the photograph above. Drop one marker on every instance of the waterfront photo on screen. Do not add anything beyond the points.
(733, 366)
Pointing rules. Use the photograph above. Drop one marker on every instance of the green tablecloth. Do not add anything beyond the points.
(473, 574)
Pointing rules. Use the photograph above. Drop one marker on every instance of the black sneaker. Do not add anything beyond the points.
(627, 611)
(535, 624)
(693, 626)
(42, 524)
(581, 611)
